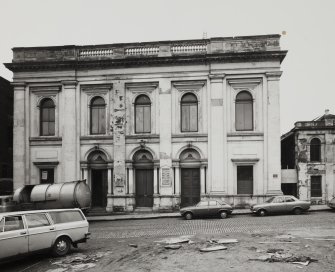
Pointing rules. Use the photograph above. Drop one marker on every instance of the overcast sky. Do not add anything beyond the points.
(307, 86)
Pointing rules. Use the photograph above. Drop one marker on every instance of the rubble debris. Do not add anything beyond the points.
(175, 240)
(225, 241)
(321, 239)
(213, 248)
(276, 242)
(173, 246)
(274, 250)
(285, 258)
(78, 262)
(285, 236)
(133, 245)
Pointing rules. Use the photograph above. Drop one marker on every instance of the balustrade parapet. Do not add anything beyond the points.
(218, 45)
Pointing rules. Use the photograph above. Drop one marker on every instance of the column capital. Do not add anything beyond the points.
(217, 77)
(69, 84)
(273, 75)
(19, 86)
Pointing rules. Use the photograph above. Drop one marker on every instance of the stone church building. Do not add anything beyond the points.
(154, 125)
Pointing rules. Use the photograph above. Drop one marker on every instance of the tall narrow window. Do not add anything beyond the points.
(245, 184)
(316, 186)
(98, 116)
(47, 117)
(142, 114)
(244, 111)
(315, 149)
(189, 113)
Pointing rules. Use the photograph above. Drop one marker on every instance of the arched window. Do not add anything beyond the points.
(244, 111)
(189, 113)
(98, 116)
(315, 149)
(142, 114)
(47, 117)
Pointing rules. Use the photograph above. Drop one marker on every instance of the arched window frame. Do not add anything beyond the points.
(247, 116)
(97, 116)
(47, 117)
(315, 150)
(142, 114)
(189, 122)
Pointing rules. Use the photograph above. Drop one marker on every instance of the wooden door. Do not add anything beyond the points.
(190, 186)
(99, 188)
(144, 187)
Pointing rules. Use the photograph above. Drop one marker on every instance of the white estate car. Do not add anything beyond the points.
(24, 232)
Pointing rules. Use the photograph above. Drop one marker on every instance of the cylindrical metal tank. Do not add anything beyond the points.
(75, 194)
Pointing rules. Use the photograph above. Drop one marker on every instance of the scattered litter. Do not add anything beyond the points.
(81, 267)
(225, 241)
(320, 239)
(276, 242)
(173, 246)
(57, 270)
(133, 245)
(259, 250)
(213, 248)
(191, 242)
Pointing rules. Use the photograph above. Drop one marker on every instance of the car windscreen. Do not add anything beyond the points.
(270, 200)
(66, 216)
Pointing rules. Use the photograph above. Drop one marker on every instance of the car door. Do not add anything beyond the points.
(41, 233)
(278, 205)
(201, 208)
(13, 236)
(213, 208)
(290, 203)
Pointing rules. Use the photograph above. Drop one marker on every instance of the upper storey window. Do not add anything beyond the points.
(98, 116)
(189, 113)
(47, 117)
(244, 111)
(315, 149)
(142, 114)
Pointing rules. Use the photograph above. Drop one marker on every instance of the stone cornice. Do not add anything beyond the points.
(146, 61)
(273, 75)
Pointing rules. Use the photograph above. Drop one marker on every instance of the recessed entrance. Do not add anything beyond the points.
(144, 178)
(190, 177)
(99, 187)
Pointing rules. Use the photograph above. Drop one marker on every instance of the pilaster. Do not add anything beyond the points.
(19, 134)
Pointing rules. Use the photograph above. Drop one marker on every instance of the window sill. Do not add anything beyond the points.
(45, 140)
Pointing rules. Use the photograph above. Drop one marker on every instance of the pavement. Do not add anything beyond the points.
(137, 216)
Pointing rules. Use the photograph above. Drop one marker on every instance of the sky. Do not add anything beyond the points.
(306, 86)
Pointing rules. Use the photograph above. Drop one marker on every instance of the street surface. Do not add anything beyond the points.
(136, 245)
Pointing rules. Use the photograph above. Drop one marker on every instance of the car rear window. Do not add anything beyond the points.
(66, 216)
(37, 220)
(13, 223)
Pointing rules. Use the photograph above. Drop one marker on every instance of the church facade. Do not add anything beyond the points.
(154, 125)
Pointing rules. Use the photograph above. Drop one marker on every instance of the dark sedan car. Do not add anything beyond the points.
(207, 208)
(331, 203)
(281, 204)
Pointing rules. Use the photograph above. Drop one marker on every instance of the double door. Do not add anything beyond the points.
(99, 187)
(190, 186)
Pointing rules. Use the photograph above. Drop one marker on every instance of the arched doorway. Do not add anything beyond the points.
(190, 177)
(144, 178)
(97, 162)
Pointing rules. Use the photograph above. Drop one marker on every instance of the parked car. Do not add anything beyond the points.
(331, 203)
(23, 232)
(207, 208)
(7, 204)
(281, 204)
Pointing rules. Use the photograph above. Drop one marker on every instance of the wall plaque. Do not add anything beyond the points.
(166, 177)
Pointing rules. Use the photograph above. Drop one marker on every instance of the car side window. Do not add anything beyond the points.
(203, 203)
(66, 216)
(37, 220)
(213, 203)
(2, 224)
(289, 199)
(279, 200)
(13, 223)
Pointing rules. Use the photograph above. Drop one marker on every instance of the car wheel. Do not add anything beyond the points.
(223, 214)
(188, 216)
(261, 212)
(297, 211)
(61, 247)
